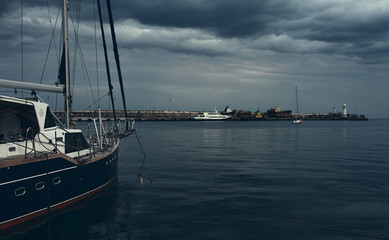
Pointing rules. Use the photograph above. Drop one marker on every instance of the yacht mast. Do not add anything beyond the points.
(106, 61)
(68, 97)
(116, 52)
(297, 101)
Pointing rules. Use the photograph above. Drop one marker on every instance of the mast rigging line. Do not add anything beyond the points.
(257, 213)
(95, 102)
(106, 60)
(78, 51)
(116, 53)
(51, 40)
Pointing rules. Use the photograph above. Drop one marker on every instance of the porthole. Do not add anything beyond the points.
(56, 180)
(20, 191)
(39, 186)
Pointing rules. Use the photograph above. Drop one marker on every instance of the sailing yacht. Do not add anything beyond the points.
(46, 165)
(297, 119)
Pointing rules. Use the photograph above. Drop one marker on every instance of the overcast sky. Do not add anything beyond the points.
(201, 54)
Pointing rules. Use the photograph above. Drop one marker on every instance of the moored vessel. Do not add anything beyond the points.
(211, 116)
(297, 119)
(46, 165)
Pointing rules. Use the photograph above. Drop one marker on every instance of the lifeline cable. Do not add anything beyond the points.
(193, 195)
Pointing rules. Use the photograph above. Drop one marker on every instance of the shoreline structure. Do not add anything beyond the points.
(273, 114)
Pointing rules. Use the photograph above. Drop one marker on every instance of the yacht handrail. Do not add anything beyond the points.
(33, 143)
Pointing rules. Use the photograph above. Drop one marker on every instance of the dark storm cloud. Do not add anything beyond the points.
(6, 6)
(224, 17)
(344, 27)
(356, 29)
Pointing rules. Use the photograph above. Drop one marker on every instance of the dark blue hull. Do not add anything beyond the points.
(32, 189)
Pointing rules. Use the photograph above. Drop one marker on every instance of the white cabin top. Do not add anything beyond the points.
(22, 120)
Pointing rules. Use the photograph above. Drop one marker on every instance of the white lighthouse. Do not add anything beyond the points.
(344, 110)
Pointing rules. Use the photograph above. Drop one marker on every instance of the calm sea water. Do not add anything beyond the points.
(327, 173)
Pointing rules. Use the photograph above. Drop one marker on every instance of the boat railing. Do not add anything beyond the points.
(29, 136)
(28, 133)
(125, 127)
(78, 147)
(110, 138)
(91, 147)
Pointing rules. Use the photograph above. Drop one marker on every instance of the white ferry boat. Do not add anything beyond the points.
(207, 116)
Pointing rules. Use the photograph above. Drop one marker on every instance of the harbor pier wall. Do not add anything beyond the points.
(149, 115)
(144, 115)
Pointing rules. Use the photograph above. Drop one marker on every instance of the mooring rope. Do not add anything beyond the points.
(262, 214)
(140, 145)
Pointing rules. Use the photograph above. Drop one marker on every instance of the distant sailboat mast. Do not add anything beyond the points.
(297, 119)
(297, 102)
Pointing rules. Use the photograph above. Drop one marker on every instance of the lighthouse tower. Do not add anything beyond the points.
(344, 110)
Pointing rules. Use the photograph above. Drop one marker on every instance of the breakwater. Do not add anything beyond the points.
(148, 115)
(137, 115)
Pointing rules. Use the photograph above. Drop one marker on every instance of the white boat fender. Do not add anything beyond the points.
(141, 179)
